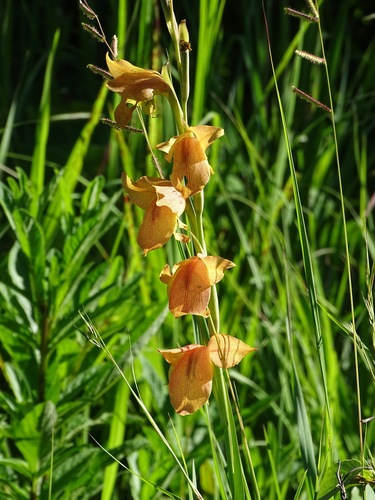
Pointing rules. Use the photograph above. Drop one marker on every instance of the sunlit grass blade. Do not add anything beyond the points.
(210, 14)
(116, 438)
(7, 132)
(347, 253)
(235, 471)
(41, 136)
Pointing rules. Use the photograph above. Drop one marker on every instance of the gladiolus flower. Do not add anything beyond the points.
(163, 205)
(192, 369)
(189, 283)
(134, 85)
(189, 157)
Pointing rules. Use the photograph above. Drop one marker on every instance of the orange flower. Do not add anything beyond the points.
(192, 369)
(189, 283)
(189, 157)
(163, 205)
(134, 85)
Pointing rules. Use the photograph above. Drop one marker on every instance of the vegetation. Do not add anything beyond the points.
(84, 404)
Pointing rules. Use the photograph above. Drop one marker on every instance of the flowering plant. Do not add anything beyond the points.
(172, 201)
(174, 206)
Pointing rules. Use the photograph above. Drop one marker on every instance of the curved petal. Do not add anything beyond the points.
(168, 196)
(141, 192)
(174, 355)
(206, 134)
(190, 161)
(167, 146)
(189, 288)
(117, 67)
(158, 225)
(227, 351)
(216, 267)
(135, 85)
(139, 84)
(190, 378)
(123, 113)
(166, 275)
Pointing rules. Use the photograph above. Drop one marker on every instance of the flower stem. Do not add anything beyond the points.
(195, 217)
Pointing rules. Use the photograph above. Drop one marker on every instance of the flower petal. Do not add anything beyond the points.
(118, 67)
(135, 85)
(141, 192)
(166, 275)
(206, 134)
(189, 158)
(190, 378)
(227, 351)
(216, 267)
(190, 161)
(169, 197)
(139, 84)
(188, 288)
(123, 113)
(158, 225)
(173, 355)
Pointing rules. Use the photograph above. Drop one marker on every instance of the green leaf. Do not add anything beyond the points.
(68, 181)
(78, 243)
(39, 156)
(17, 465)
(91, 197)
(47, 424)
(27, 436)
(369, 493)
(80, 469)
(15, 290)
(328, 486)
(18, 382)
(31, 239)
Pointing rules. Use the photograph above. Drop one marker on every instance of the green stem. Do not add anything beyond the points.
(199, 207)
(178, 115)
(45, 334)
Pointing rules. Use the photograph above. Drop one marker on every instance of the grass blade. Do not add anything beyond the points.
(42, 131)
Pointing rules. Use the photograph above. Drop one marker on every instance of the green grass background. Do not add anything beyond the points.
(68, 244)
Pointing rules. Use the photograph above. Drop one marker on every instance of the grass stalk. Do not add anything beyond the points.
(310, 280)
(347, 253)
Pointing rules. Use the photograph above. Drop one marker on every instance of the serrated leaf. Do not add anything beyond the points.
(17, 465)
(48, 419)
(76, 244)
(91, 196)
(16, 340)
(77, 470)
(31, 239)
(96, 223)
(26, 435)
(86, 383)
(47, 425)
(369, 492)
(16, 289)
(7, 202)
(18, 383)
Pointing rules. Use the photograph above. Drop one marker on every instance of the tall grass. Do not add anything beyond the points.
(297, 222)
